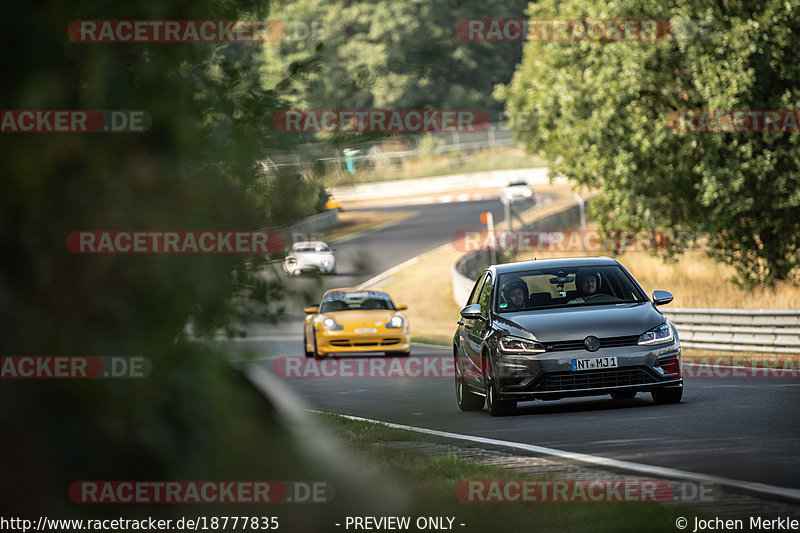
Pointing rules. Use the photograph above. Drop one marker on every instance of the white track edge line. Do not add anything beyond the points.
(386, 273)
(760, 488)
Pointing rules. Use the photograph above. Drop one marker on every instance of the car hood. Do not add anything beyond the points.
(362, 319)
(311, 255)
(572, 323)
(311, 258)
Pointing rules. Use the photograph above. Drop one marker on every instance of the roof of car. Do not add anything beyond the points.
(353, 289)
(309, 243)
(569, 262)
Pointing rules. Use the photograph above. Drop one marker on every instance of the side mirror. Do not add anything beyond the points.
(662, 297)
(402, 307)
(310, 310)
(472, 311)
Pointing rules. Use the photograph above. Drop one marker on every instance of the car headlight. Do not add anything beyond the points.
(660, 335)
(395, 323)
(331, 324)
(515, 345)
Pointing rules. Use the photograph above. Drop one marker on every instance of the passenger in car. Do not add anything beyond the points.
(588, 283)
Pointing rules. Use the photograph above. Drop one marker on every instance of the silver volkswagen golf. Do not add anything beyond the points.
(555, 328)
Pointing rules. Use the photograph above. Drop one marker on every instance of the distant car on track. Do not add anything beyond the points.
(555, 328)
(333, 203)
(517, 191)
(356, 321)
(310, 256)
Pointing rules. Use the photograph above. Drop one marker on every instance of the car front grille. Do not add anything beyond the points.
(608, 342)
(353, 343)
(595, 379)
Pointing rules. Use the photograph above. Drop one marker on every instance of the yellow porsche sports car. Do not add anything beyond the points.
(356, 321)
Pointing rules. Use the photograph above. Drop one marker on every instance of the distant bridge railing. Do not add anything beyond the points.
(738, 330)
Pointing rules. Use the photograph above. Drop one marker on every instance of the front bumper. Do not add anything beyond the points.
(549, 376)
(341, 342)
(296, 268)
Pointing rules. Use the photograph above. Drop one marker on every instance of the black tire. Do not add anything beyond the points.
(467, 400)
(624, 395)
(398, 354)
(309, 353)
(496, 406)
(667, 395)
(316, 352)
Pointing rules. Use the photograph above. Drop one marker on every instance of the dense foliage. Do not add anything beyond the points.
(605, 113)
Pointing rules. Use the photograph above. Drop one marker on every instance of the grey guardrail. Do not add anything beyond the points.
(738, 330)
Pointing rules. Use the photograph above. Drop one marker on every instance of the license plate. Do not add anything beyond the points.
(366, 330)
(594, 362)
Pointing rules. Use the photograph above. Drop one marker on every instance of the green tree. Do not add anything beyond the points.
(196, 168)
(389, 54)
(602, 111)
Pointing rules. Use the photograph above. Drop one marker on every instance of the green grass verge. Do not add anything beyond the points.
(432, 482)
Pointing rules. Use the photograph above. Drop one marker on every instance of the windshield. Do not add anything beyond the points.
(319, 247)
(576, 286)
(356, 301)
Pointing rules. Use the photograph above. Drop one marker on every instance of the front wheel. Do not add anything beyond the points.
(672, 395)
(316, 351)
(309, 353)
(467, 400)
(496, 406)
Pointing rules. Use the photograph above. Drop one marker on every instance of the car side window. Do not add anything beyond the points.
(485, 296)
(476, 290)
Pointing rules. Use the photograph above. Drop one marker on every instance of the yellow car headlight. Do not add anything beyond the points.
(331, 325)
(395, 323)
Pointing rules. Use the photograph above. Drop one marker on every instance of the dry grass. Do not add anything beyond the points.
(438, 165)
(698, 281)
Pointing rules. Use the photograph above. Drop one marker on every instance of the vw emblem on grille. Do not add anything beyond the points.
(592, 343)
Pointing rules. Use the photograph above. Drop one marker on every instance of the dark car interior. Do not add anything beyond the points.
(562, 287)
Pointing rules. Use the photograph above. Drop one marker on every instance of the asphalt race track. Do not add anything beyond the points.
(742, 428)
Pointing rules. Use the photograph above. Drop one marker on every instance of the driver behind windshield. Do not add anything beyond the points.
(587, 283)
(516, 294)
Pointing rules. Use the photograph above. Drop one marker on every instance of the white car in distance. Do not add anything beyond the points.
(516, 191)
(310, 256)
